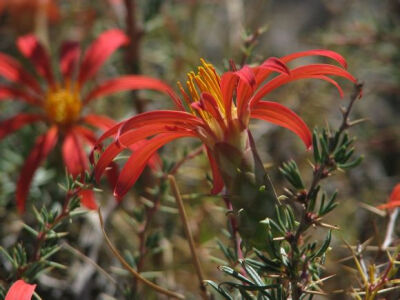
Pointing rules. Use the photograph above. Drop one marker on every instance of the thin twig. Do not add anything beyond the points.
(190, 156)
(189, 236)
(89, 260)
(390, 229)
(133, 272)
(320, 172)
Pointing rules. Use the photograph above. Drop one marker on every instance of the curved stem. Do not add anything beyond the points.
(133, 272)
(189, 236)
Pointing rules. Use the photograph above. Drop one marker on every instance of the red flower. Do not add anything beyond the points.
(394, 199)
(20, 290)
(61, 102)
(218, 110)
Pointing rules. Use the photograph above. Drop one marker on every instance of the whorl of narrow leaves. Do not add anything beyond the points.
(292, 174)
(30, 262)
(334, 149)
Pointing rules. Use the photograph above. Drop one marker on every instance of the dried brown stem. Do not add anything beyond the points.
(135, 34)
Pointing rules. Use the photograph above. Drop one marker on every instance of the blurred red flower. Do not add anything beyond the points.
(23, 12)
(60, 102)
(20, 290)
(217, 110)
(394, 199)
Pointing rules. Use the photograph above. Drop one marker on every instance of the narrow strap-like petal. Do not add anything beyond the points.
(244, 92)
(99, 121)
(394, 199)
(138, 160)
(154, 161)
(165, 117)
(133, 82)
(218, 183)
(128, 140)
(32, 49)
(76, 160)
(44, 144)
(395, 195)
(74, 156)
(87, 135)
(303, 72)
(12, 93)
(275, 64)
(13, 71)
(262, 74)
(331, 81)
(316, 52)
(112, 174)
(229, 82)
(69, 58)
(14, 123)
(20, 290)
(269, 66)
(88, 199)
(281, 115)
(99, 51)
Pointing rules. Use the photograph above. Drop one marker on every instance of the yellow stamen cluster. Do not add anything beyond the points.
(63, 105)
(206, 80)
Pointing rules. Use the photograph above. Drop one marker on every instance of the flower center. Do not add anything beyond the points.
(208, 81)
(206, 100)
(62, 105)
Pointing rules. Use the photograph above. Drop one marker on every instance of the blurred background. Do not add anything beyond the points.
(168, 38)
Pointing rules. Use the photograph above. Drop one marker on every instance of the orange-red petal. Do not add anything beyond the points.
(20, 290)
(218, 183)
(69, 58)
(44, 144)
(133, 82)
(262, 74)
(87, 134)
(11, 93)
(138, 160)
(394, 199)
(129, 139)
(164, 117)
(74, 156)
(309, 71)
(14, 123)
(87, 199)
(15, 72)
(99, 51)
(316, 52)
(281, 115)
(99, 121)
(229, 82)
(32, 49)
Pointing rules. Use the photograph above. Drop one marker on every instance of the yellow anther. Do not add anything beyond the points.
(185, 96)
(206, 80)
